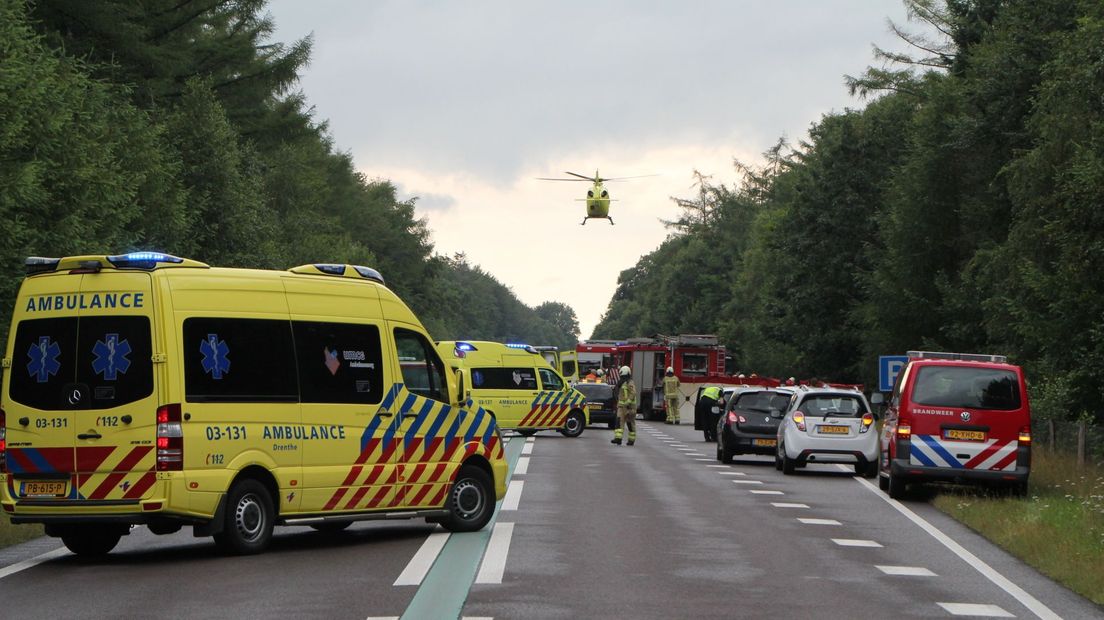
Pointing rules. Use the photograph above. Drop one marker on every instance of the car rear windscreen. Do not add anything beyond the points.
(762, 402)
(962, 387)
(595, 391)
(822, 405)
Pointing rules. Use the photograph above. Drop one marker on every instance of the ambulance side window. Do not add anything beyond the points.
(498, 378)
(549, 380)
(338, 362)
(239, 360)
(422, 371)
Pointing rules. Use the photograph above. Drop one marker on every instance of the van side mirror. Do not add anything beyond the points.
(462, 391)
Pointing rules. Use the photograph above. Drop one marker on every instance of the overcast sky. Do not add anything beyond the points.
(462, 104)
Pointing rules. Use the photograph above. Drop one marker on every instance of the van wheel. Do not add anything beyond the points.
(249, 519)
(896, 487)
(1017, 489)
(470, 502)
(525, 432)
(330, 527)
(573, 426)
(92, 540)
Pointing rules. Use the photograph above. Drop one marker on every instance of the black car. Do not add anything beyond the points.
(601, 402)
(750, 422)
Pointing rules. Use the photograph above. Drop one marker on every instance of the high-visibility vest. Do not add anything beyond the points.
(713, 392)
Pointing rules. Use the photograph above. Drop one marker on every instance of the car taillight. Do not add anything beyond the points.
(732, 417)
(170, 439)
(3, 442)
(799, 420)
(1025, 436)
(904, 431)
(867, 422)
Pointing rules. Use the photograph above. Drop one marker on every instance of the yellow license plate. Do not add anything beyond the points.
(52, 488)
(765, 442)
(594, 405)
(954, 433)
(834, 430)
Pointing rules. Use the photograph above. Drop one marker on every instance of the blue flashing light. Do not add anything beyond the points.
(142, 260)
(522, 346)
(330, 268)
(465, 346)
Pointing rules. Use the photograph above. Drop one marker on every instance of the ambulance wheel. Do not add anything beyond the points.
(249, 519)
(470, 502)
(330, 527)
(573, 426)
(92, 540)
(526, 432)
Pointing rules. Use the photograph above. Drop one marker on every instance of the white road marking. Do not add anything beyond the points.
(513, 495)
(423, 560)
(819, 521)
(768, 492)
(973, 609)
(704, 460)
(527, 448)
(746, 481)
(35, 561)
(851, 542)
(494, 558)
(695, 454)
(530, 439)
(1032, 603)
(906, 571)
(721, 466)
(729, 473)
(383, 618)
(788, 505)
(522, 466)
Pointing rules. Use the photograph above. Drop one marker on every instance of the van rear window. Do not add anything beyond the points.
(967, 388)
(93, 362)
(239, 360)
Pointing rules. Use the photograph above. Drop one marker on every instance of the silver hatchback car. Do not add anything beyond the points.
(828, 425)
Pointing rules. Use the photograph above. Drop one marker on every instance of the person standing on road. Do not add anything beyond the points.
(703, 412)
(671, 395)
(626, 407)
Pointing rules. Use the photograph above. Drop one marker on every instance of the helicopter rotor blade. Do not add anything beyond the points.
(548, 179)
(642, 176)
(586, 178)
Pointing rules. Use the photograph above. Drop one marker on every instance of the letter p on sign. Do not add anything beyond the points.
(889, 366)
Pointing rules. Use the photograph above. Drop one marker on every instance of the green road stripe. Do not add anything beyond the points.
(445, 588)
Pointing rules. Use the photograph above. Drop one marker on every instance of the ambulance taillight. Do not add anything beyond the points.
(3, 442)
(170, 439)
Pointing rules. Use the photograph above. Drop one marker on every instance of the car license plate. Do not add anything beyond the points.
(834, 430)
(594, 405)
(46, 488)
(765, 442)
(955, 433)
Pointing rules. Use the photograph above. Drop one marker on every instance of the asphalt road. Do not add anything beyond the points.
(587, 530)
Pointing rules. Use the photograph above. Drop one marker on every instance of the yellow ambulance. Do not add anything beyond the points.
(519, 386)
(149, 389)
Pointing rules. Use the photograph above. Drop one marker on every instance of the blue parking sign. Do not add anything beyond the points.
(888, 368)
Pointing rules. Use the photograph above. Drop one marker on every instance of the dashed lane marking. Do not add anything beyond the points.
(721, 466)
(32, 562)
(530, 439)
(527, 448)
(513, 495)
(522, 466)
(906, 571)
(758, 492)
(746, 481)
(423, 560)
(788, 505)
(730, 473)
(494, 559)
(974, 609)
(853, 542)
(703, 460)
(819, 521)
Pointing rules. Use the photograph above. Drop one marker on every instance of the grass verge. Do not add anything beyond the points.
(1058, 528)
(15, 534)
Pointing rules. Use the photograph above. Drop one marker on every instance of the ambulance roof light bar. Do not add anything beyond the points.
(962, 357)
(357, 272)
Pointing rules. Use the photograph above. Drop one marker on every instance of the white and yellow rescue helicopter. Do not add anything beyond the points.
(598, 198)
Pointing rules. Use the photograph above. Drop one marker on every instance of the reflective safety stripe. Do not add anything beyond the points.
(992, 455)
